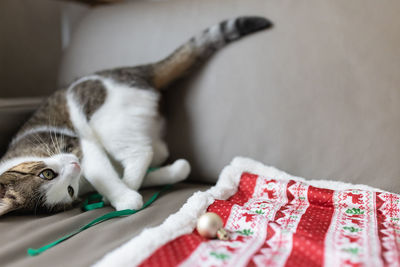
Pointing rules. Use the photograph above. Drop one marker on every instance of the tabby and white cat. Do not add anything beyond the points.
(111, 114)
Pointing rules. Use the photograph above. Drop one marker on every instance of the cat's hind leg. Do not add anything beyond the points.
(176, 172)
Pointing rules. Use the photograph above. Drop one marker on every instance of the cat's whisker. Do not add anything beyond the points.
(52, 140)
(38, 199)
(37, 144)
(55, 142)
(41, 141)
(50, 131)
(58, 144)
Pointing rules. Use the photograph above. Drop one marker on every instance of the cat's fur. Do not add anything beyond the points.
(111, 114)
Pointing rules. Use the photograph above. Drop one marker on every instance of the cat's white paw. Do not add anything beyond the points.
(128, 200)
(181, 169)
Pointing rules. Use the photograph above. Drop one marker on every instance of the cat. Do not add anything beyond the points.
(66, 147)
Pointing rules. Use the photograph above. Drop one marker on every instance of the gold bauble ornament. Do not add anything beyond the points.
(210, 225)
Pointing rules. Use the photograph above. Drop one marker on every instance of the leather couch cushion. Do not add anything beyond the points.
(317, 96)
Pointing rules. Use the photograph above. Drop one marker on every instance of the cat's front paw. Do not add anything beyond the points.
(128, 200)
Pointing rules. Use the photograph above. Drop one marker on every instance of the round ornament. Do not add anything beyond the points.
(210, 225)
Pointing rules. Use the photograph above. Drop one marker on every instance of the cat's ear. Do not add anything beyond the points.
(6, 203)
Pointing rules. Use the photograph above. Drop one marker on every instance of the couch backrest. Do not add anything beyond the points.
(317, 96)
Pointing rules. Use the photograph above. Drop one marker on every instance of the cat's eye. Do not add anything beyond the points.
(47, 174)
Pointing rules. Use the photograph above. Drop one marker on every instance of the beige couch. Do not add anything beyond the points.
(318, 96)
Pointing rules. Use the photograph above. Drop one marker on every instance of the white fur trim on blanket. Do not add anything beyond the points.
(184, 221)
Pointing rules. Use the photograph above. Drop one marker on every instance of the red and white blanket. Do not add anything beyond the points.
(275, 220)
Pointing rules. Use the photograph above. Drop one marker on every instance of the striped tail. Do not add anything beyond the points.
(200, 47)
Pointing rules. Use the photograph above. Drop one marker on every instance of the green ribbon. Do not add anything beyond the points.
(105, 217)
(92, 202)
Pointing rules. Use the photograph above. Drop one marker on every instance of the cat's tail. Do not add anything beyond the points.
(200, 47)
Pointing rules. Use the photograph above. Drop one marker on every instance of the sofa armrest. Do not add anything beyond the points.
(13, 113)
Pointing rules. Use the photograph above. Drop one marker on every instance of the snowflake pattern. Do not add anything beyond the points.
(276, 222)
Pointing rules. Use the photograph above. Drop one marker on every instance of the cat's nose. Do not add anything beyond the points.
(76, 165)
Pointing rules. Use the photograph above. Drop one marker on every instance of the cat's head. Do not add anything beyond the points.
(37, 184)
